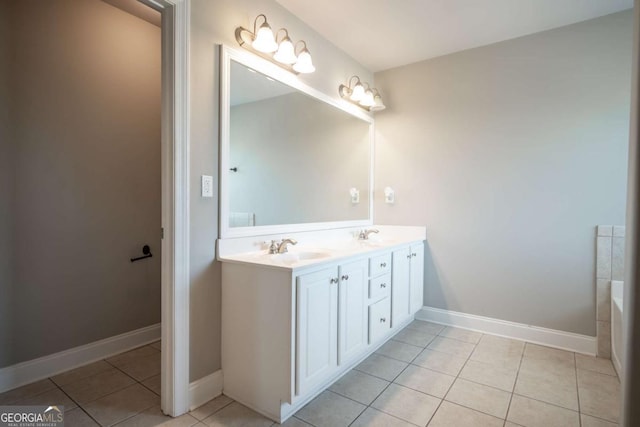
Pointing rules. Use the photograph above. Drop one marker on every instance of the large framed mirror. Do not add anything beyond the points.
(291, 158)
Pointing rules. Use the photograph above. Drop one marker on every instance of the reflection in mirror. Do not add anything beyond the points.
(292, 158)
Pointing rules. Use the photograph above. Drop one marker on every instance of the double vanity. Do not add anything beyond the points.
(293, 323)
(306, 294)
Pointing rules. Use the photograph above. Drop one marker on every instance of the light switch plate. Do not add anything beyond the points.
(207, 186)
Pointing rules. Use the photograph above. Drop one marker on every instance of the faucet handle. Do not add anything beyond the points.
(273, 247)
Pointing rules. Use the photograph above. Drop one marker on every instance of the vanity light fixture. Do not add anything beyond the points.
(361, 94)
(281, 52)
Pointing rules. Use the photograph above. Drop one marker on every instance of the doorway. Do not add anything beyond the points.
(70, 181)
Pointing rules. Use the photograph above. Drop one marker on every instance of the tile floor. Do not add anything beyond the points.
(427, 375)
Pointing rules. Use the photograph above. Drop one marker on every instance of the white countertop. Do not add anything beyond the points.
(316, 251)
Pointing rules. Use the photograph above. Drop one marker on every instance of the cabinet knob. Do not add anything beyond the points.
(413, 254)
(383, 285)
(345, 277)
(334, 280)
(383, 320)
(409, 256)
(383, 265)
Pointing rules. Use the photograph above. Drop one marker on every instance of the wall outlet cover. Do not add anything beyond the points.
(389, 195)
(207, 186)
(355, 195)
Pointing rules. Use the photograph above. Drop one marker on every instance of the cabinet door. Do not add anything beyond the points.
(352, 306)
(417, 277)
(400, 277)
(379, 319)
(317, 337)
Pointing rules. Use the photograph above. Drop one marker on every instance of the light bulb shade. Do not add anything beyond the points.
(285, 53)
(264, 41)
(358, 92)
(367, 99)
(344, 91)
(304, 63)
(378, 105)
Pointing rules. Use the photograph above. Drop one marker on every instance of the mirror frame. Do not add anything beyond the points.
(271, 70)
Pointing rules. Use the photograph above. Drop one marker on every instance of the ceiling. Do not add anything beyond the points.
(383, 34)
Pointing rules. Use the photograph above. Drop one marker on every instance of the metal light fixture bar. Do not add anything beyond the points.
(262, 42)
(361, 94)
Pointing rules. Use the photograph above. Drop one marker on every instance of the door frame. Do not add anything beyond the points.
(175, 204)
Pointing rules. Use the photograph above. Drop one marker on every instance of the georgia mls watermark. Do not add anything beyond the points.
(32, 416)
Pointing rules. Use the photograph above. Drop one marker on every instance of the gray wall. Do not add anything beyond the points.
(214, 22)
(511, 154)
(85, 80)
(297, 158)
(6, 186)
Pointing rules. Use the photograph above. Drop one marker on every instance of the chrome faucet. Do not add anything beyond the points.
(281, 248)
(364, 234)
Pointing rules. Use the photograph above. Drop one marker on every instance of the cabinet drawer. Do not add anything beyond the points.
(379, 265)
(380, 286)
(379, 319)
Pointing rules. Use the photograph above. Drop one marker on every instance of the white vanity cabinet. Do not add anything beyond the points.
(408, 282)
(331, 321)
(288, 333)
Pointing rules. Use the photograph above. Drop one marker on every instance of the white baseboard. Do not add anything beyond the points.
(548, 337)
(48, 366)
(203, 390)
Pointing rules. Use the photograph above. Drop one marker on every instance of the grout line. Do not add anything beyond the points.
(77, 403)
(306, 422)
(81, 408)
(89, 415)
(457, 376)
(575, 373)
(392, 381)
(113, 392)
(515, 382)
(388, 382)
(464, 379)
(547, 403)
(136, 380)
(217, 410)
(149, 388)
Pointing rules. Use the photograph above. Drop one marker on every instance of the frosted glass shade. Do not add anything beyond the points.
(304, 63)
(367, 99)
(358, 93)
(285, 53)
(378, 105)
(264, 41)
